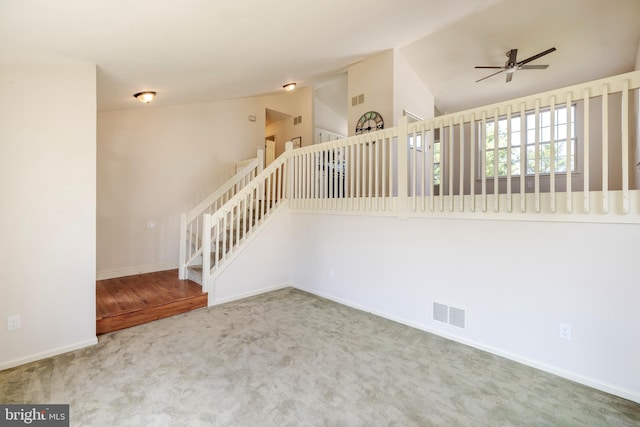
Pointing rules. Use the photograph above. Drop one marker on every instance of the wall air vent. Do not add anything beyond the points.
(357, 100)
(451, 315)
(457, 317)
(440, 312)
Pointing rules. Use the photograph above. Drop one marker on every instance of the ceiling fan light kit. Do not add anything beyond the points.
(512, 65)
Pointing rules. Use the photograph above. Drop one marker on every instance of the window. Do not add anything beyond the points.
(512, 159)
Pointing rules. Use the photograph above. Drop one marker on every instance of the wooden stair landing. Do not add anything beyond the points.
(133, 300)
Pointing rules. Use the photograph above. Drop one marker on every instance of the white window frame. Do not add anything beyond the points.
(529, 148)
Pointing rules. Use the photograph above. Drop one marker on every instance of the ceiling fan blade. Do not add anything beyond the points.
(534, 57)
(512, 54)
(509, 77)
(495, 67)
(490, 75)
(533, 67)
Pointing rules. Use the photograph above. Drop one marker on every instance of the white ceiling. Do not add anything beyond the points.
(204, 50)
(594, 39)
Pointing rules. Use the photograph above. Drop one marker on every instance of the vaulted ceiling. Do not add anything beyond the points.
(200, 50)
(594, 39)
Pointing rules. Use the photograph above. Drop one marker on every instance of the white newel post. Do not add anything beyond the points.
(288, 181)
(403, 173)
(206, 251)
(182, 254)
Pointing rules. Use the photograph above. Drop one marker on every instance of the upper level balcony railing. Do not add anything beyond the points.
(568, 154)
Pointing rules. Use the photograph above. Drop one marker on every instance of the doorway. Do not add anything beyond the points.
(269, 149)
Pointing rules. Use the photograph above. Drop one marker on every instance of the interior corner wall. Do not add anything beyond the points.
(409, 91)
(296, 103)
(329, 116)
(157, 162)
(328, 119)
(283, 131)
(514, 281)
(47, 220)
(372, 77)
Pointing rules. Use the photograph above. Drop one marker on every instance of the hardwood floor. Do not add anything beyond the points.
(133, 300)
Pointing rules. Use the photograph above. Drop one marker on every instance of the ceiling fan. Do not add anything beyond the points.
(512, 65)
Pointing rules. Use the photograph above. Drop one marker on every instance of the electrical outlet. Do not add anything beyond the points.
(13, 323)
(565, 331)
(151, 224)
(332, 274)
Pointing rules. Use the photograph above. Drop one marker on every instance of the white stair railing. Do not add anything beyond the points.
(191, 223)
(226, 229)
(246, 163)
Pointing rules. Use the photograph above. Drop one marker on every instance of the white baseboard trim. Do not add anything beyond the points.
(587, 381)
(213, 301)
(132, 271)
(49, 353)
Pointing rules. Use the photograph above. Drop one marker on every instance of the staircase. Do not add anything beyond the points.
(213, 233)
(231, 237)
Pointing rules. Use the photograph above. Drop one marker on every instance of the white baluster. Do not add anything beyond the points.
(625, 146)
(462, 147)
(472, 161)
(509, 195)
(552, 154)
(483, 159)
(452, 152)
(569, 151)
(605, 148)
(537, 156)
(496, 165)
(585, 148)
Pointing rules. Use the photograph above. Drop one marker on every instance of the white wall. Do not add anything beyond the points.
(330, 105)
(47, 220)
(409, 91)
(296, 103)
(389, 85)
(328, 119)
(515, 280)
(283, 131)
(155, 163)
(372, 77)
(265, 264)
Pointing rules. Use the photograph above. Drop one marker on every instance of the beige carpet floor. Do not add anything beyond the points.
(288, 358)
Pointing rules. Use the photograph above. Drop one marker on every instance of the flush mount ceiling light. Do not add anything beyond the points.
(289, 87)
(145, 97)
